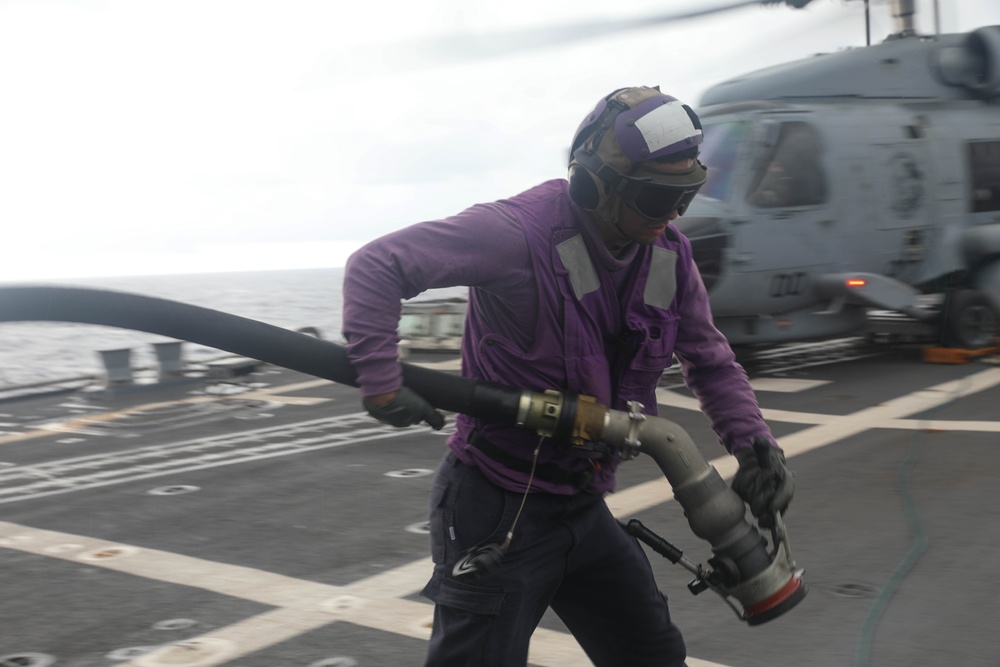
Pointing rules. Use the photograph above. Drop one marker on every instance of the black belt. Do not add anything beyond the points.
(548, 472)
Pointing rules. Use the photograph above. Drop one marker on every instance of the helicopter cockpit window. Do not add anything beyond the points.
(718, 152)
(791, 173)
(984, 166)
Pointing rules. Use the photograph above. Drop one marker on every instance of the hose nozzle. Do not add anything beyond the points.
(766, 584)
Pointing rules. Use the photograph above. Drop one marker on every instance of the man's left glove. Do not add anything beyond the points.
(767, 489)
(406, 409)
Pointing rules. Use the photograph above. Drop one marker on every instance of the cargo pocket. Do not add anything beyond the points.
(657, 348)
(655, 354)
(468, 619)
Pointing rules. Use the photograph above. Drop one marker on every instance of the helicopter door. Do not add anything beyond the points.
(788, 207)
(792, 174)
(781, 223)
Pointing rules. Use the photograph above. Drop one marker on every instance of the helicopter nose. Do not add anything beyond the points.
(708, 240)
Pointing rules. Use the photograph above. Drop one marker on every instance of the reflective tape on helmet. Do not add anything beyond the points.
(657, 127)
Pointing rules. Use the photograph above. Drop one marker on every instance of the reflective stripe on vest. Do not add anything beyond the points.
(661, 283)
(576, 259)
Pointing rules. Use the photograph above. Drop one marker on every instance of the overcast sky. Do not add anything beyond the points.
(142, 137)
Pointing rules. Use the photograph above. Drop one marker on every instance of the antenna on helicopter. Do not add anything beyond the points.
(902, 16)
(868, 24)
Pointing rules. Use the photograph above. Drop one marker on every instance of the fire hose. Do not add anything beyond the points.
(765, 583)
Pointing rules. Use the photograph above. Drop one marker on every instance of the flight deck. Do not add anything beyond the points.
(265, 519)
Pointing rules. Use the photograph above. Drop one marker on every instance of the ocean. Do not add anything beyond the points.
(33, 352)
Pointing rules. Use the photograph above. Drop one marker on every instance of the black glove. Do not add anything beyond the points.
(766, 489)
(406, 409)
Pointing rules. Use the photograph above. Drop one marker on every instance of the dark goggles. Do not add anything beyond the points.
(655, 201)
(652, 199)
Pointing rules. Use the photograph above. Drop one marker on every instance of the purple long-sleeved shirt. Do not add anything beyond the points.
(486, 248)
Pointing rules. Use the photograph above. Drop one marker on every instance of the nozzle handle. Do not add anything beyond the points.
(761, 449)
(636, 529)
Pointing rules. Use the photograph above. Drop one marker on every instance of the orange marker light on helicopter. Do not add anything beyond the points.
(856, 282)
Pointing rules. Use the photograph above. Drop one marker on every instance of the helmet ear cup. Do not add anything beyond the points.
(583, 187)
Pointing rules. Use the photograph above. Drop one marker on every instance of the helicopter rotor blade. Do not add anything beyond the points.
(470, 46)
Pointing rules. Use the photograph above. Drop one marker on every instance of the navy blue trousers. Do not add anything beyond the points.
(568, 553)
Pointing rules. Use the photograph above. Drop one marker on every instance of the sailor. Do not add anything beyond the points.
(578, 284)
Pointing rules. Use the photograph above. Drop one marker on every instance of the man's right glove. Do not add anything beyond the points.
(766, 489)
(406, 409)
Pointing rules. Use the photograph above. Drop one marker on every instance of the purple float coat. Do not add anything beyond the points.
(549, 308)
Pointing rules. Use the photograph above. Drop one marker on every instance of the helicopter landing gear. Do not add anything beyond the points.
(970, 320)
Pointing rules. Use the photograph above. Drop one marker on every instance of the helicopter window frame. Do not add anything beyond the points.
(720, 152)
(789, 173)
(984, 176)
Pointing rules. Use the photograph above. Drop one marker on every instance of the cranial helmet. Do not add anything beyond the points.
(628, 127)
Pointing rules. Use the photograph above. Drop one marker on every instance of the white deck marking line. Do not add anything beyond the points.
(293, 400)
(443, 365)
(98, 470)
(399, 582)
(276, 393)
(547, 648)
(672, 399)
(785, 385)
(295, 386)
(236, 640)
(367, 607)
(303, 605)
(880, 416)
(80, 423)
(944, 425)
(68, 486)
(830, 429)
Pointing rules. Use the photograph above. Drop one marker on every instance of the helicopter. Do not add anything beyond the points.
(862, 180)
(844, 184)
